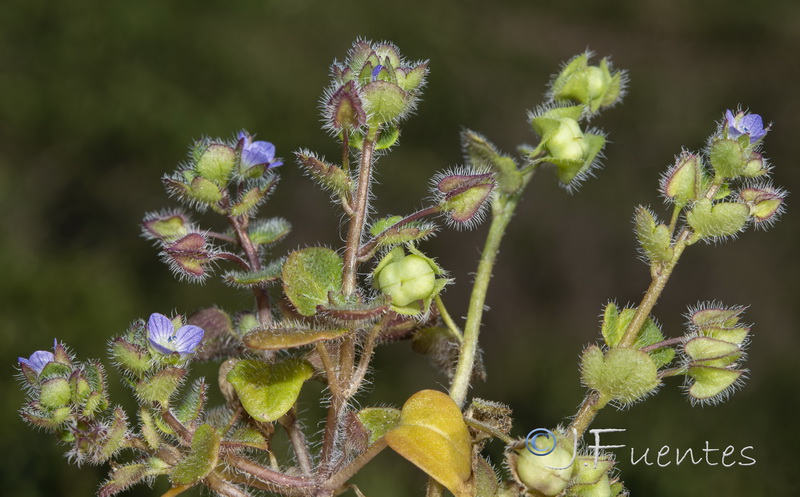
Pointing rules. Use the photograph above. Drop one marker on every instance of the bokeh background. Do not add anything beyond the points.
(99, 99)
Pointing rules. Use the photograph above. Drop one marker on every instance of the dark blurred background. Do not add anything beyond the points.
(99, 99)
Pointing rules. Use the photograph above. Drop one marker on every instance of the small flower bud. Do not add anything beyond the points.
(55, 392)
(756, 166)
(765, 202)
(216, 163)
(728, 157)
(344, 108)
(374, 85)
(188, 257)
(464, 196)
(593, 86)
(480, 152)
(327, 175)
(624, 375)
(683, 182)
(412, 281)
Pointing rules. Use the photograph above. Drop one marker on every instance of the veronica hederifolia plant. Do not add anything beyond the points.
(318, 313)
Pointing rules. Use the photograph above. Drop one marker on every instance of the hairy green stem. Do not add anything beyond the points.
(343, 475)
(263, 304)
(356, 228)
(503, 210)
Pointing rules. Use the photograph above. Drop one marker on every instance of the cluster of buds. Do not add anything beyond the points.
(715, 210)
(70, 399)
(373, 87)
(713, 351)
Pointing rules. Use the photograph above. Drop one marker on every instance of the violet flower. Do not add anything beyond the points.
(165, 339)
(745, 124)
(39, 359)
(256, 153)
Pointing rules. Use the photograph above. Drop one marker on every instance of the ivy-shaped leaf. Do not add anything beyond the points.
(268, 391)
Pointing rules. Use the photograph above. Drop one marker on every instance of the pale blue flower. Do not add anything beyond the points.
(256, 153)
(165, 339)
(745, 124)
(39, 359)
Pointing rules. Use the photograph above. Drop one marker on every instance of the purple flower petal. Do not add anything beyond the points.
(187, 338)
(258, 152)
(745, 124)
(376, 72)
(159, 329)
(38, 360)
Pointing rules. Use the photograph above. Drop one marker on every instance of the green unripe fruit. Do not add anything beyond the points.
(407, 280)
(597, 82)
(622, 374)
(567, 142)
(55, 392)
(542, 473)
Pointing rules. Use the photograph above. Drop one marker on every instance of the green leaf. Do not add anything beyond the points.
(707, 351)
(268, 391)
(202, 457)
(378, 421)
(261, 278)
(246, 436)
(615, 323)
(286, 336)
(269, 231)
(308, 275)
(432, 435)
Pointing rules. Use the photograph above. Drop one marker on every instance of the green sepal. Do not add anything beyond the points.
(710, 381)
(149, 428)
(96, 403)
(216, 163)
(386, 138)
(410, 78)
(589, 473)
(132, 358)
(308, 275)
(735, 334)
(190, 409)
(480, 152)
(655, 239)
(261, 278)
(378, 421)
(160, 386)
(615, 322)
(252, 198)
(202, 457)
(55, 369)
(269, 231)
(289, 335)
(486, 483)
(49, 420)
(166, 226)
(387, 236)
(717, 220)
(122, 478)
(622, 374)
(115, 437)
(600, 488)
(707, 351)
(432, 434)
(80, 387)
(245, 436)
(684, 181)
(716, 315)
(728, 158)
(268, 391)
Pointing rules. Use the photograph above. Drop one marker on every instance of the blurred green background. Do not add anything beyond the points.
(99, 98)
